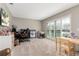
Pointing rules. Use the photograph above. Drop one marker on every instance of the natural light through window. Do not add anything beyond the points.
(59, 27)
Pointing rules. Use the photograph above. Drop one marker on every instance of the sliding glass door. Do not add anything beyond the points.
(50, 30)
(66, 27)
(59, 27)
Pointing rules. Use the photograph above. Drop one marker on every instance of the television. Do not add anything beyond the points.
(4, 18)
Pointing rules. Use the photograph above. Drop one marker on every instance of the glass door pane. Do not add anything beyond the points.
(50, 31)
(58, 28)
(66, 27)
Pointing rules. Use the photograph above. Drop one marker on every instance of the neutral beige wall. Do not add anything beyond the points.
(26, 23)
(75, 20)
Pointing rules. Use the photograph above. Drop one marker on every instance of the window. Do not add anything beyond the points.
(59, 27)
(50, 30)
(66, 26)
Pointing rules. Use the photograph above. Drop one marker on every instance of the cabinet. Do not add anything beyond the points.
(5, 42)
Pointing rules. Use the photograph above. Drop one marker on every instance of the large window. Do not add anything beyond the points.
(59, 27)
(66, 26)
(50, 30)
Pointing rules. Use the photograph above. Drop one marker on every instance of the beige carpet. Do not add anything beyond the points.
(36, 47)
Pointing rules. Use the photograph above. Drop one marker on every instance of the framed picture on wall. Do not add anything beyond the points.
(4, 18)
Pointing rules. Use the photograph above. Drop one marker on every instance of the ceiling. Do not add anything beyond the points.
(38, 11)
